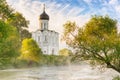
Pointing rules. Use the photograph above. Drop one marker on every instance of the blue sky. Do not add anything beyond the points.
(92, 7)
(68, 8)
(60, 11)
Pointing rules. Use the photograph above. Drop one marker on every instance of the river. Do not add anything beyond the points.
(70, 72)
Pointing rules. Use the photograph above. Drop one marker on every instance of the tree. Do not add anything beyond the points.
(98, 40)
(25, 34)
(5, 11)
(9, 44)
(20, 23)
(16, 19)
(12, 31)
(65, 52)
(30, 51)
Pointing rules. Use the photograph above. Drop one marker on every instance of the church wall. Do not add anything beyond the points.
(51, 45)
(48, 40)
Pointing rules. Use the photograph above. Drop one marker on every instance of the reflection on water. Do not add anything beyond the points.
(71, 72)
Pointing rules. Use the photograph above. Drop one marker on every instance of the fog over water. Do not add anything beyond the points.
(69, 72)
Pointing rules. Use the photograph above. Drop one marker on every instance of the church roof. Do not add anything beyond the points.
(44, 16)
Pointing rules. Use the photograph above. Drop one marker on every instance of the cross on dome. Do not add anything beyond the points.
(43, 7)
(44, 16)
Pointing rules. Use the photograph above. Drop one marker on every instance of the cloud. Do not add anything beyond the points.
(117, 8)
(88, 1)
(58, 13)
(113, 2)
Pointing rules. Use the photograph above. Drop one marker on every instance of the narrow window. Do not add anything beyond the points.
(44, 51)
(52, 51)
(39, 38)
(44, 25)
(41, 25)
(45, 38)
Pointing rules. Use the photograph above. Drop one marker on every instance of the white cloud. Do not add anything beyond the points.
(32, 9)
(60, 13)
(88, 1)
(113, 2)
(117, 8)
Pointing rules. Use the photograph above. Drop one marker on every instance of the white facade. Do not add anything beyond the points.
(48, 40)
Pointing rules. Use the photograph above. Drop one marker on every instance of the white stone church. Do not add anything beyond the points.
(48, 40)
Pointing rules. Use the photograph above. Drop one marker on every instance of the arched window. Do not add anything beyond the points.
(44, 25)
(45, 38)
(41, 25)
(44, 51)
(38, 38)
(52, 51)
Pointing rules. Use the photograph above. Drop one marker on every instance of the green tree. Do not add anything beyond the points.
(116, 78)
(16, 19)
(12, 31)
(98, 40)
(30, 51)
(65, 52)
(9, 45)
(5, 11)
(25, 34)
(21, 24)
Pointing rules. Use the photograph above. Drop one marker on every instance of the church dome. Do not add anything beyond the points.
(44, 16)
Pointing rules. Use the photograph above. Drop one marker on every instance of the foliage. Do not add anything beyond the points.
(45, 60)
(5, 10)
(13, 29)
(65, 52)
(20, 23)
(25, 34)
(116, 78)
(9, 45)
(97, 40)
(53, 60)
(16, 19)
(30, 51)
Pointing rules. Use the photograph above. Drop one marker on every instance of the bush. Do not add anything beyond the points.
(116, 78)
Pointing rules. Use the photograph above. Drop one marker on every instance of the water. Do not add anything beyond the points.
(71, 72)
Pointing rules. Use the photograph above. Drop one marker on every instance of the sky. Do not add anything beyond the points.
(61, 11)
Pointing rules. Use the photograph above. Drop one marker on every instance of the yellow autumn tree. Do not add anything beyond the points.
(65, 52)
(30, 51)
